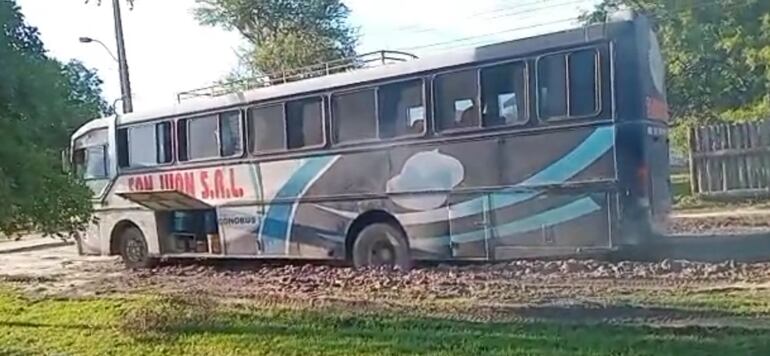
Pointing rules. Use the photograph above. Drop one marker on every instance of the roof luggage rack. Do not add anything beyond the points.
(366, 60)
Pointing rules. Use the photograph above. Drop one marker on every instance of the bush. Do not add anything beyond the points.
(167, 313)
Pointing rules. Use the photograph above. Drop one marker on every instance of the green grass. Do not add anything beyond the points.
(98, 327)
(680, 186)
(738, 302)
(685, 200)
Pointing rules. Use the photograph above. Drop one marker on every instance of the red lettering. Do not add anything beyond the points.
(189, 184)
(140, 183)
(219, 184)
(169, 177)
(178, 181)
(204, 176)
(237, 191)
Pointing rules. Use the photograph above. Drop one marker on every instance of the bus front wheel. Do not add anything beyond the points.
(381, 245)
(133, 249)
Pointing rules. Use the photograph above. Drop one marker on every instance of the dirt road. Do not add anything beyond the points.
(669, 292)
(58, 270)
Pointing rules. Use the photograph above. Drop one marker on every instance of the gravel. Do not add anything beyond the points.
(519, 281)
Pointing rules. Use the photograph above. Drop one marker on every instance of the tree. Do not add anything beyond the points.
(41, 102)
(717, 54)
(283, 34)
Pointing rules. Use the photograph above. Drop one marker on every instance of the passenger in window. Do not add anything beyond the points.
(416, 118)
(509, 108)
(465, 114)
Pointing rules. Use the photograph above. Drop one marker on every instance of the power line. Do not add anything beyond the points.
(442, 45)
(475, 14)
(500, 12)
(519, 28)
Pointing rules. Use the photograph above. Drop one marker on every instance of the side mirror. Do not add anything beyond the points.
(66, 164)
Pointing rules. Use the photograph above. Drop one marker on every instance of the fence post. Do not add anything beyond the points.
(693, 168)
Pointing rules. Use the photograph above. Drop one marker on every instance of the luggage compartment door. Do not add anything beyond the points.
(470, 228)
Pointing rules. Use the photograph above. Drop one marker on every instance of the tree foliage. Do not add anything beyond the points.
(42, 101)
(283, 34)
(717, 55)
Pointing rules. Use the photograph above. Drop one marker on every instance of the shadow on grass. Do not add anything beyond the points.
(345, 333)
(21, 324)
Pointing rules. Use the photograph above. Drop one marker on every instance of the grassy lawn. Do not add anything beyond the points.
(744, 302)
(143, 326)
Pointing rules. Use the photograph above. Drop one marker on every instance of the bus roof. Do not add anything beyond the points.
(513, 48)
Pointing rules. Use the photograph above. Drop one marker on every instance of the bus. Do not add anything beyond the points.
(549, 146)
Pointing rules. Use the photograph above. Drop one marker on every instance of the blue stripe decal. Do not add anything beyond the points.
(556, 216)
(276, 221)
(574, 162)
(580, 158)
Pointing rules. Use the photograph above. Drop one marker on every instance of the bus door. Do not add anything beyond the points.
(470, 227)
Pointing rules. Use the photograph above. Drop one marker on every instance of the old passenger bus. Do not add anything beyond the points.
(546, 146)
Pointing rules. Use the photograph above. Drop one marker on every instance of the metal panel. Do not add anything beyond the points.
(470, 236)
(168, 200)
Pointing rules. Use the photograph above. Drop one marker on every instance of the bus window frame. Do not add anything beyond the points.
(324, 129)
(527, 101)
(256, 153)
(103, 147)
(597, 48)
(376, 87)
(154, 123)
(425, 105)
(216, 116)
(332, 119)
(478, 68)
(436, 125)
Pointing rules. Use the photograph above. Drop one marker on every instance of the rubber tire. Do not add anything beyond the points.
(381, 232)
(133, 233)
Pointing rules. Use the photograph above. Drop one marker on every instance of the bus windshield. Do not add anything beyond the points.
(90, 159)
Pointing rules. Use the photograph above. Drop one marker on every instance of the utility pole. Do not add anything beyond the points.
(125, 82)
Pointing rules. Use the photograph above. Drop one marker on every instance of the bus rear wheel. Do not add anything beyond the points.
(381, 245)
(133, 249)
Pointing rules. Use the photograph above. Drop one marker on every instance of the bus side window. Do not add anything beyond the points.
(568, 84)
(304, 123)
(145, 146)
(354, 116)
(163, 144)
(122, 148)
(503, 94)
(210, 136)
(552, 86)
(230, 140)
(267, 129)
(456, 96)
(583, 72)
(142, 149)
(401, 109)
(200, 138)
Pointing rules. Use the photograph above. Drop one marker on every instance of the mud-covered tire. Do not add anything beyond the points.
(381, 245)
(133, 249)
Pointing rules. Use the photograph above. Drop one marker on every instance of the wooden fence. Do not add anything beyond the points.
(731, 160)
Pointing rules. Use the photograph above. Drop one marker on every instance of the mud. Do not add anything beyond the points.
(721, 224)
(564, 291)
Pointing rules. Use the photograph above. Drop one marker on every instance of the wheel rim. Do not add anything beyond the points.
(382, 253)
(135, 249)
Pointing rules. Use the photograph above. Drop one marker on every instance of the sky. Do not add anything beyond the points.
(169, 52)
